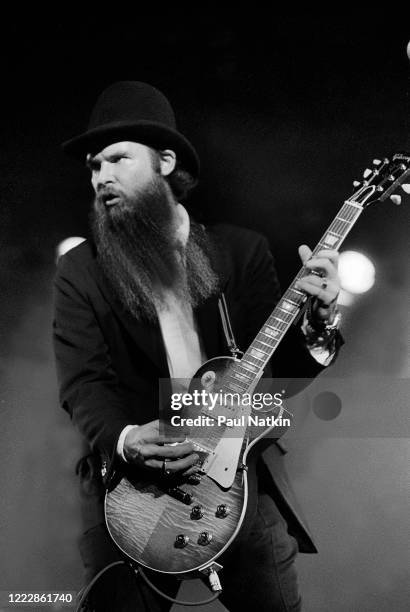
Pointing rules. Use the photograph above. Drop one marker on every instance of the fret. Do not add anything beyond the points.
(237, 386)
(341, 219)
(241, 376)
(286, 311)
(231, 388)
(338, 229)
(271, 331)
(320, 245)
(346, 215)
(257, 366)
(257, 352)
(298, 292)
(296, 298)
(287, 320)
(251, 367)
(264, 343)
(294, 294)
(291, 301)
(249, 357)
(281, 320)
(280, 331)
(351, 207)
(354, 204)
(341, 225)
(287, 306)
(349, 214)
(331, 240)
(271, 341)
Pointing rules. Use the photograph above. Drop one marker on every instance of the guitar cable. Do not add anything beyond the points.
(83, 593)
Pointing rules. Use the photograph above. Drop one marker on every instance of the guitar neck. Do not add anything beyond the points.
(247, 370)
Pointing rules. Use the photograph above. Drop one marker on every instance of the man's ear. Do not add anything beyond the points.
(167, 160)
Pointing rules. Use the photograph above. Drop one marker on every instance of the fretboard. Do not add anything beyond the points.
(242, 374)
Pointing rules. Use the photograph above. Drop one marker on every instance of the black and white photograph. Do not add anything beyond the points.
(205, 310)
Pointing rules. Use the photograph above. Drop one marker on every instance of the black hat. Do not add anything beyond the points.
(131, 110)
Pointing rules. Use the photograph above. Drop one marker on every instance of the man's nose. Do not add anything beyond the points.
(105, 174)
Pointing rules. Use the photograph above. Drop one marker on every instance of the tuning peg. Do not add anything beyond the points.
(356, 183)
(396, 199)
(377, 162)
(367, 173)
(406, 187)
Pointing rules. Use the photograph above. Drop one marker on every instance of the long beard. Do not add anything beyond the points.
(140, 257)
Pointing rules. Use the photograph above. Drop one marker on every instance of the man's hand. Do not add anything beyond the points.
(144, 446)
(323, 282)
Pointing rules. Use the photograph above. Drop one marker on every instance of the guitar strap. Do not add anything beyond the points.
(227, 328)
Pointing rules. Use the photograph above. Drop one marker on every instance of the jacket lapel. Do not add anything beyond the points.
(147, 335)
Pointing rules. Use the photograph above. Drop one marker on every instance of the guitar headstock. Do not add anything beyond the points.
(382, 180)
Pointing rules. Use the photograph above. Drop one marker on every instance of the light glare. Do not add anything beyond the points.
(356, 271)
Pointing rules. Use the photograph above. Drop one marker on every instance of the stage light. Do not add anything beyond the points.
(67, 244)
(356, 271)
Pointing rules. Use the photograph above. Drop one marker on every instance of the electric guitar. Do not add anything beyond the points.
(179, 526)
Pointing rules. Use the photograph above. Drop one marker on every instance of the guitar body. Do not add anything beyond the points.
(144, 520)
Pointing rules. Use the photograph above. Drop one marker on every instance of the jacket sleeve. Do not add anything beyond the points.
(89, 389)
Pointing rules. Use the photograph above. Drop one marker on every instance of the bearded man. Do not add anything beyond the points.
(139, 302)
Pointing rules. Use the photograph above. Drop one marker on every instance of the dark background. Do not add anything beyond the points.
(285, 112)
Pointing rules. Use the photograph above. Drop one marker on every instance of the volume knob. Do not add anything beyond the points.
(181, 541)
(197, 512)
(222, 511)
(204, 538)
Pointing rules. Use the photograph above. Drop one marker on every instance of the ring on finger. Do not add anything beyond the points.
(164, 470)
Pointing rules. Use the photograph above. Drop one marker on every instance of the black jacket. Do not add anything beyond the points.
(108, 363)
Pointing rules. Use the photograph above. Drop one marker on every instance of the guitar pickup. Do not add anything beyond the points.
(183, 496)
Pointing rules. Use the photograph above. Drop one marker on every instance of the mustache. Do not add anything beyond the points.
(106, 193)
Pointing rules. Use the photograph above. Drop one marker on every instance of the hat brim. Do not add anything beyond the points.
(145, 132)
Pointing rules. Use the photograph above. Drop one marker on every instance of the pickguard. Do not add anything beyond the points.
(222, 464)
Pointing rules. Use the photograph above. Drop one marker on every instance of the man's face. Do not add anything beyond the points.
(133, 223)
(120, 171)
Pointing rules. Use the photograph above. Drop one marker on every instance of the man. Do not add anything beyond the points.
(140, 302)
